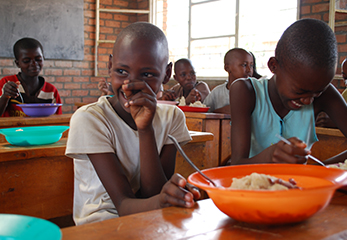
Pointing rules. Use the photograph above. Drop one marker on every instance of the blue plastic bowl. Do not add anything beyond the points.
(13, 227)
(39, 109)
(30, 136)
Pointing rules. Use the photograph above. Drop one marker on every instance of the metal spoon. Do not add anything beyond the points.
(309, 155)
(177, 145)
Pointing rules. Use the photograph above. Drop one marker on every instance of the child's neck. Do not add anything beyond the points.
(31, 85)
(275, 99)
(127, 118)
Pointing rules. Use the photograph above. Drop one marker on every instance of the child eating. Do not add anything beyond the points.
(286, 104)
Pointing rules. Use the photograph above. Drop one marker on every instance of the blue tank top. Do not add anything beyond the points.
(266, 123)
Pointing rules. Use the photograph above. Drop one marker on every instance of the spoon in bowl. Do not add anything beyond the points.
(178, 146)
(309, 155)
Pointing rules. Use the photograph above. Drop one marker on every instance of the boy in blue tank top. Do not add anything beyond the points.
(287, 103)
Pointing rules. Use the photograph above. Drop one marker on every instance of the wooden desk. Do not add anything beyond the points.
(331, 142)
(9, 122)
(38, 180)
(205, 221)
(218, 124)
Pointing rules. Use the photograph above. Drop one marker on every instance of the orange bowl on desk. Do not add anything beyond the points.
(272, 207)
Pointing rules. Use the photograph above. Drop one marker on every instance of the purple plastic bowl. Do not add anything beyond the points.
(39, 109)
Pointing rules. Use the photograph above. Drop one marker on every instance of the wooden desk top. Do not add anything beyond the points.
(61, 119)
(9, 152)
(206, 115)
(205, 221)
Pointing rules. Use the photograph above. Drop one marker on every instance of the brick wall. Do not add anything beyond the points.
(75, 80)
(319, 9)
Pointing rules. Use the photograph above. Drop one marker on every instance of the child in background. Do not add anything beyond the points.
(27, 86)
(255, 73)
(105, 88)
(238, 63)
(187, 85)
(287, 104)
(123, 159)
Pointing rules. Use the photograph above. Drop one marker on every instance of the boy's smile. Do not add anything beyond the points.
(299, 87)
(136, 60)
(30, 61)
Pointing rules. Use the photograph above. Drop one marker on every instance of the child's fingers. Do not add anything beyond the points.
(173, 193)
(285, 153)
(194, 190)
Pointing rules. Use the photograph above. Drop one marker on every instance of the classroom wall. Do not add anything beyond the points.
(319, 9)
(75, 80)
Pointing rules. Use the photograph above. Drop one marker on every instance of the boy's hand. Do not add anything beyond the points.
(10, 90)
(141, 101)
(177, 192)
(103, 86)
(193, 96)
(169, 95)
(294, 153)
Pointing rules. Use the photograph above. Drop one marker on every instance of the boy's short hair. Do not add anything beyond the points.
(26, 43)
(307, 41)
(182, 60)
(146, 31)
(231, 51)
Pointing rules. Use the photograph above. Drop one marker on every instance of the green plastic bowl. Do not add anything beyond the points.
(15, 227)
(31, 136)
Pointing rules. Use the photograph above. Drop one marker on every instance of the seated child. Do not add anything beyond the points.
(27, 86)
(187, 85)
(124, 161)
(287, 103)
(238, 63)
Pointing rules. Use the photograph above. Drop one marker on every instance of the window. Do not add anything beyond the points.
(204, 30)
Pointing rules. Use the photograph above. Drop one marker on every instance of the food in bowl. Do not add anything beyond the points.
(197, 104)
(317, 183)
(182, 102)
(258, 181)
(342, 165)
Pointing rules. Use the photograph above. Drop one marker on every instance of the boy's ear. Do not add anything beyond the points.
(226, 66)
(17, 63)
(110, 64)
(272, 64)
(168, 73)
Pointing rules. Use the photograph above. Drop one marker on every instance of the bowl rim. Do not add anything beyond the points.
(33, 105)
(209, 187)
(26, 129)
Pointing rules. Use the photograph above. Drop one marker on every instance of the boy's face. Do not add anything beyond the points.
(239, 65)
(300, 85)
(30, 61)
(137, 60)
(185, 75)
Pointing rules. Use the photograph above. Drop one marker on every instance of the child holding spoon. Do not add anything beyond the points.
(288, 102)
(123, 159)
(26, 86)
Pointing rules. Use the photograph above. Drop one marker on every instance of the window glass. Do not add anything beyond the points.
(215, 18)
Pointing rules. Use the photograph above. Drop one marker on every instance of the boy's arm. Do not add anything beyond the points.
(241, 91)
(203, 89)
(332, 103)
(8, 90)
(225, 110)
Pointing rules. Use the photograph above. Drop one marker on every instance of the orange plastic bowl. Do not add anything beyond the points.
(272, 207)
